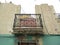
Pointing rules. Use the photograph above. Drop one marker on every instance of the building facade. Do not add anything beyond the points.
(50, 25)
(7, 14)
(58, 20)
(22, 29)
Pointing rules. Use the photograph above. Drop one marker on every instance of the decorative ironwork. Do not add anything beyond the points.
(28, 24)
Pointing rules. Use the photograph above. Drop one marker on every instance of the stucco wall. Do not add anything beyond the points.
(49, 22)
(58, 21)
(7, 14)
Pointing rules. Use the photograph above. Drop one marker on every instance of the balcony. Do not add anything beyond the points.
(28, 24)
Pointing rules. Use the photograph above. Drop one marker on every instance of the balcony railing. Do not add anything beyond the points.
(28, 24)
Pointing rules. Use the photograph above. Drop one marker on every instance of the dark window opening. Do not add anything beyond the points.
(26, 43)
(18, 43)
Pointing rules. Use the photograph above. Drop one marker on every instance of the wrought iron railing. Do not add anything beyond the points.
(28, 23)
